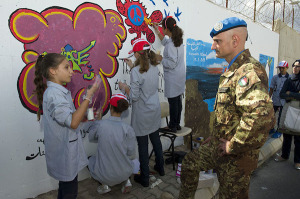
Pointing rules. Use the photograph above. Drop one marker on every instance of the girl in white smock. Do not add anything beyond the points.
(113, 162)
(145, 116)
(64, 152)
(174, 68)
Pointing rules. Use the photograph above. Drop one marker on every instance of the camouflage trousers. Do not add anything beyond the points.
(233, 171)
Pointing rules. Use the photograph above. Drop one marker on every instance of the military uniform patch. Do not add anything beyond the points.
(223, 89)
(243, 81)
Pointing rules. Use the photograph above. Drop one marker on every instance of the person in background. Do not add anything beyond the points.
(64, 151)
(113, 162)
(243, 117)
(174, 68)
(291, 91)
(275, 88)
(145, 116)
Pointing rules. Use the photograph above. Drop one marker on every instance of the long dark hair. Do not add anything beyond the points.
(146, 57)
(42, 66)
(298, 60)
(177, 33)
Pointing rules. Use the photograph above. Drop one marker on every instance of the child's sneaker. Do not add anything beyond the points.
(143, 182)
(126, 187)
(102, 189)
(279, 159)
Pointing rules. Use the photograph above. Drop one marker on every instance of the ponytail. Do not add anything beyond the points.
(40, 85)
(177, 33)
(153, 58)
(177, 36)
(42, 66)
(146, 57)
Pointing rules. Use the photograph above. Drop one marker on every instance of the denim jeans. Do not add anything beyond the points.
(175, 106)
(280, 111)
(286, 147)
(68, 190)
(144, 155)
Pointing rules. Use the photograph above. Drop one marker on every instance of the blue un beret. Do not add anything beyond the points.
(227, 24)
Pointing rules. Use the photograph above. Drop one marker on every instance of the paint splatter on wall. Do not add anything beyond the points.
(89, 37)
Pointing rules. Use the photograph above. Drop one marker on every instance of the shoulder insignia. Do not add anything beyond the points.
(243, 81)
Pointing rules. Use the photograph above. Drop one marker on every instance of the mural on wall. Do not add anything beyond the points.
(89, 37)
(177, 14)
(138, 19)
(203, 66)
(268, 63)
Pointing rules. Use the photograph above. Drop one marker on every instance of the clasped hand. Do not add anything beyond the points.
(223, 147)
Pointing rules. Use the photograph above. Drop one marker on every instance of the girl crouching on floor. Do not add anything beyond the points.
(113, 162)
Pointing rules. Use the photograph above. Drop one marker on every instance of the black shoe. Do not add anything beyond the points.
(168, 129)
(171, 129)
(138, 179)
(178, 127)
(160, 171)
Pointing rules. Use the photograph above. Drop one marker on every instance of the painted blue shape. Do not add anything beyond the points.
(199, 53)
(152, 2)
(203, 66)
(268, 63)
(68, 48)
(166, 2)
(136, 19)
(210, 104)
(166, 14)
(177, 14)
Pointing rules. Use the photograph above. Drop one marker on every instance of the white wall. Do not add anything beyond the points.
(20, 133)
(289, 40)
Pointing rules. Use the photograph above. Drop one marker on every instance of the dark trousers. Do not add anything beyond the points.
(68, 190)
(144, 155)
(280, 111)
(286, 147)
(175, 106)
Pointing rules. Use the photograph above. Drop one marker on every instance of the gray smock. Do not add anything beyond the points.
(174, 68)
(277, 84)
(64, 151)
(116, 144)
(145, 116)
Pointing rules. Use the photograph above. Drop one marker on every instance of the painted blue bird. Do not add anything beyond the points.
(152, 2)
(166, 2)
(166, 14)
(177, 14)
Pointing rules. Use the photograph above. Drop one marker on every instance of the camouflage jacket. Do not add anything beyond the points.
(243, 109)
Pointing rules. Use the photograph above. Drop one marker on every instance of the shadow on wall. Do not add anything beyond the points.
(197, 115)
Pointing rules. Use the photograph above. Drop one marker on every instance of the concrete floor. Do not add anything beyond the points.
(88, 187)
(271, 180)
(276, 180)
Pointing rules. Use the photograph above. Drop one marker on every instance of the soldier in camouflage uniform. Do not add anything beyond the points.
(244, 115)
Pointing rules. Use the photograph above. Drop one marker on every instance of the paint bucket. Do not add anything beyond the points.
(90, 114)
